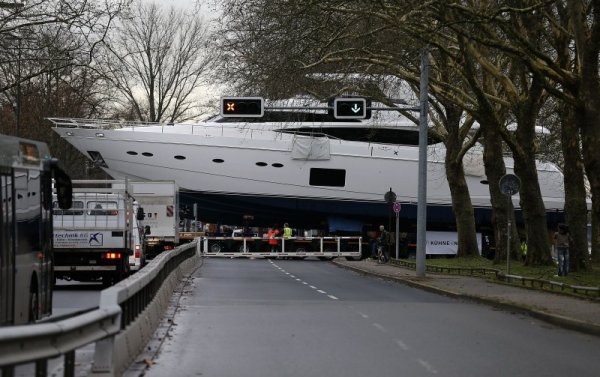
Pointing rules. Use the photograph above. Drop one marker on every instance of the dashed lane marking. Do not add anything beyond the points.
(427, 366)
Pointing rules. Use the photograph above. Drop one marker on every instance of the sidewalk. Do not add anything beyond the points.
(561, 310)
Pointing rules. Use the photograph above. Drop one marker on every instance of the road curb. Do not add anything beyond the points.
(555, 319)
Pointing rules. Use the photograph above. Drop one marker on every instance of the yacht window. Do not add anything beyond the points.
(261, 164)
(147, 154)
(179, 157)
(277, 165)
(327, 177)
(133, 153)
(218, 160)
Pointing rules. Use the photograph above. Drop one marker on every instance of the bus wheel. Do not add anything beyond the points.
(33, 305)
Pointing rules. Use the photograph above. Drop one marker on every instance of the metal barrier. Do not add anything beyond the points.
(498, 275)
(117, 326)
(293, 247)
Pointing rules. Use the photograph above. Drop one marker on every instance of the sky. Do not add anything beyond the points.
(206, 93)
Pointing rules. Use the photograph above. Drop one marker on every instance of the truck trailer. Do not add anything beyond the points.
(160, 200)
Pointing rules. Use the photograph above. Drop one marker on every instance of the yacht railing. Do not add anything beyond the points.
(112, 124)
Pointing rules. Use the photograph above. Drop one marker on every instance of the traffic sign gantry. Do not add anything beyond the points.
(350, 108)
(242, 107)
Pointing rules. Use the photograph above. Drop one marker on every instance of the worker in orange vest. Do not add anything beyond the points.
(271, 234)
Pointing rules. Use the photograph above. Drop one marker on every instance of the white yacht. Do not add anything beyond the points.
(307, 170)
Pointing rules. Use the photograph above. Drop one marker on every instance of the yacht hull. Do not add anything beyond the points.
(243, 174)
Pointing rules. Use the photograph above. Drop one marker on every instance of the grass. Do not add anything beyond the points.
(589, 277)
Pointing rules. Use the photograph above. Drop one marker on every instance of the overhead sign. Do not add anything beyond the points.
(242, 107)
(350, 108)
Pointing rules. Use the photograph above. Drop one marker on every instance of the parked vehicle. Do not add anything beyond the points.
(100, 238)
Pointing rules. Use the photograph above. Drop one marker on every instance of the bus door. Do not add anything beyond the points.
(7, 247)
(47, 263)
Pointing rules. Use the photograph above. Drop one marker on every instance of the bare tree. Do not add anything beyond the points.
(156, 60)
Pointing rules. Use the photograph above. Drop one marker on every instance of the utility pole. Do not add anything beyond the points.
(422, 187)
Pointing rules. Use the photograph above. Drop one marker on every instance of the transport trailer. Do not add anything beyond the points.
(293, 247)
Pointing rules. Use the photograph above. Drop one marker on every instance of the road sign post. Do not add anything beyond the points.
(509, 186)
(397, 208)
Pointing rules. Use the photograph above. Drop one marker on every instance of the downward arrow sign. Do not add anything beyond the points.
(355, 109)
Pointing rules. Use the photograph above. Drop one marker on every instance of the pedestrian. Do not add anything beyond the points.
(561, 243)
(373, 244)
(287, 231)
(383, 241)
(523, 250)
(272, 233)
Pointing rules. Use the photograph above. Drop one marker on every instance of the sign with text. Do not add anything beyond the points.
(445, 243)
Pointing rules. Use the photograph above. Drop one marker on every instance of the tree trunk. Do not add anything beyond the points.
(461, 200)
(532, 205)
(575, 195)
(590, 131)
(494, 170)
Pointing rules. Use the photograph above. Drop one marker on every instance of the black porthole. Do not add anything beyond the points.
(218, 160)
(277, 165)
(133, 153)
(261, 164)
(147, 154)
(179, 157)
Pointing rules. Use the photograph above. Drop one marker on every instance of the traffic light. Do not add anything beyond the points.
(242, 107)
(350, 108)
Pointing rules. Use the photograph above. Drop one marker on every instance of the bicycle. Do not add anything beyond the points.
(381, 257)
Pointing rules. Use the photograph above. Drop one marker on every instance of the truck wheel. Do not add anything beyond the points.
(215, 248)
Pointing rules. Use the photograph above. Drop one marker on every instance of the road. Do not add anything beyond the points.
(72, 296)
(310, 318)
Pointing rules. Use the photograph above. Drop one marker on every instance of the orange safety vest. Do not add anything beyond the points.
(272, 234)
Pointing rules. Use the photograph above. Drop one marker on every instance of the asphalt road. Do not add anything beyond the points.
(310, 318)
(72, 296)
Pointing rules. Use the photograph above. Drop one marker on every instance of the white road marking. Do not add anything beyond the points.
(379, 327)
(365, 316)
(303, 282)
(401, 344)
(427, 366)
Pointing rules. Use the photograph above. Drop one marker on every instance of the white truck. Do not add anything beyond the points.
(160, 200)
(101, 236)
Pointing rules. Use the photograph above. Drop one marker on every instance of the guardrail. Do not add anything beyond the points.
(499, 275)
(117, 326)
